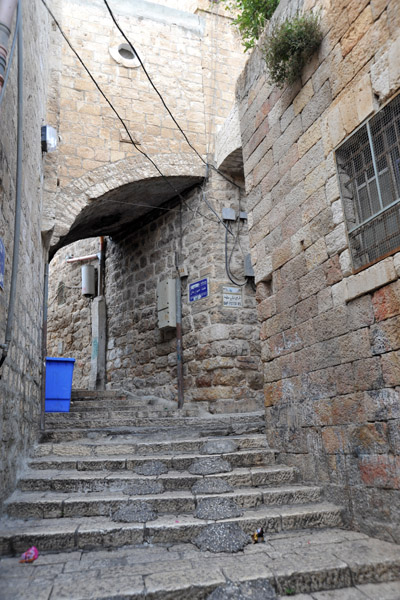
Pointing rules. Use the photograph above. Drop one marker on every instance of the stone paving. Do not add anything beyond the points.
(182, 571)
(117, 514)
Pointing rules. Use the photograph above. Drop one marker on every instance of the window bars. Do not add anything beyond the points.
(369, 174)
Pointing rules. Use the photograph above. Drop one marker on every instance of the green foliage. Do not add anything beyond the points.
(290, 45)
(251, 19)
(290, 592)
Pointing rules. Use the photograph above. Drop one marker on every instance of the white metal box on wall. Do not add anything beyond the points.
(166, 304)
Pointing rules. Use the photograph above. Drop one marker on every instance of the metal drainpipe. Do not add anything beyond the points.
(17, 219)
(44, 344)
(102, 265)
(179, 347)
(7, 8)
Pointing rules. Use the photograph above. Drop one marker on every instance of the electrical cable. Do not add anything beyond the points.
(165, 178)
(178, 194)
(162, 99)
(10, 56)
(227, 261)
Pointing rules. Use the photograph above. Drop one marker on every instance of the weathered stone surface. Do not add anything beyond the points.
(249, 590)
(211, 485)
(208, 466)
(222, 537)
(217, 508)
(153, 467)
(140, 488)
(136, 511)
(218, 446)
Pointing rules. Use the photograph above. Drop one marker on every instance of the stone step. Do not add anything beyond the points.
(78, 393)
(367, 591)
(49, 505)
(300, 563)
(96, 532)
(119, 419)
(125, 409)
(159, 431)
(129, 462)
(130, 444)
(114, 398)
(99, 481)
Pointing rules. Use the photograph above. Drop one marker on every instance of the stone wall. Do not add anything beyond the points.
(220, 344)
(20, 384)
(329, 337)
(193, 59)
(69, 313)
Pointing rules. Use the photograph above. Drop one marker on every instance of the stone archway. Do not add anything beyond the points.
(106, 199)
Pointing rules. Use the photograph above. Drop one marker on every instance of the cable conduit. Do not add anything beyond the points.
(18, 197)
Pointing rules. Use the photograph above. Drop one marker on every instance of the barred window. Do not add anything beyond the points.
(369, 174)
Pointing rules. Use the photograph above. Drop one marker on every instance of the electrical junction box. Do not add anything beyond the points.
(166, 304)
(228, 214)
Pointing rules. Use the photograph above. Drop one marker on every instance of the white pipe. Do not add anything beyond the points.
(82, 258)
(7, 8)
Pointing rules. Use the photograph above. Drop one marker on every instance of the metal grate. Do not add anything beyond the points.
(369, 174)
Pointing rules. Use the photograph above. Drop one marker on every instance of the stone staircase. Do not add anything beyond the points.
(126, 500)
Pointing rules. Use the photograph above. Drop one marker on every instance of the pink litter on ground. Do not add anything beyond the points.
(30, 555)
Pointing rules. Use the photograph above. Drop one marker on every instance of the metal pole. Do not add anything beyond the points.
(18, 202)
(44, 345)
(179, 350)
(102, 265)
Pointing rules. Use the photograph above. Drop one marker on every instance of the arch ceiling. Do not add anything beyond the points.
(115, 195)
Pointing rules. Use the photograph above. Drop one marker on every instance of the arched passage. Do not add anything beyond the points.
(108, 198)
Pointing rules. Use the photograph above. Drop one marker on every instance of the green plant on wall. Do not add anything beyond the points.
(290, 45)
(251, 18)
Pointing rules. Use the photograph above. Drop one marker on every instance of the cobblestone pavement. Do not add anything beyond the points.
(181, 571)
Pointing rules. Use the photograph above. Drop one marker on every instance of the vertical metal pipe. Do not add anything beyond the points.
(18, 198)
(102, 265)
(44, 344)
(18, 202)
(179, 350)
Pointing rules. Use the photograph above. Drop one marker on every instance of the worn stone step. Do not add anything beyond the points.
(303, 562)
(129, 462)
(99, 481)
(51, 505)
(131, 444)
(83, 421)
(115, 398)
(91, 410)
(94, 532)
(389, 590)
(159, 431)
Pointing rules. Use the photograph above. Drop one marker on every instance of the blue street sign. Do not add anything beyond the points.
(198, 290)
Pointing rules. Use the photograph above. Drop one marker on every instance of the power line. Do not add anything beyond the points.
(162, 99)
(179, 195)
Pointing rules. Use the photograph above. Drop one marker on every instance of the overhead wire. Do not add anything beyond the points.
(135, 144)
(162, 99)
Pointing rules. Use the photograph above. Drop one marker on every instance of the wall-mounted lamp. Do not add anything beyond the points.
(49, 138)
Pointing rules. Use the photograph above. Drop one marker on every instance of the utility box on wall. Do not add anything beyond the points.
(166, 304)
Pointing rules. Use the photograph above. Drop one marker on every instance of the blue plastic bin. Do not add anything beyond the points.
(59, 373)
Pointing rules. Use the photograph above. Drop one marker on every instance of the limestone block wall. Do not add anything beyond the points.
(329, 337)
(69, 313)
(220, 344)
(20, 382)
(193, 59)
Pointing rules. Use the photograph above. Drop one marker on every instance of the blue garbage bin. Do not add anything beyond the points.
(59, 373)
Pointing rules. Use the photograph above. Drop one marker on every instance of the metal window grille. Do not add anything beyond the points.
(369, 174)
